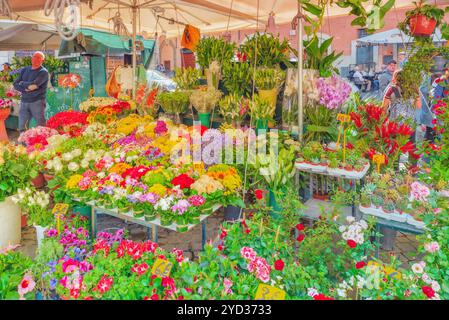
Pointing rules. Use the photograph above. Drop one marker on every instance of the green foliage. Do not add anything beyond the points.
(13, 266)
(320, 124)
(269, 78)
(214, 49)
(237, 78)
(318, 57)
(261, 109)
(173, 102)
(187, 78)
(266, 50)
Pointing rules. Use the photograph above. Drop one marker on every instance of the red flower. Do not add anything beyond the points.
(428, 291)
(321, 297)
(360, 264)
(259, 194)
(183, 181)
(408, 147)
(301, 237)
(154, 297)
(223, 234)
(247, 231)
(351, 243)
(356, 119)
(104, 284)
(300, 227)
(279, 265)
(220, 247)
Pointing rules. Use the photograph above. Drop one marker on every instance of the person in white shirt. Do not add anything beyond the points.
(359, 79)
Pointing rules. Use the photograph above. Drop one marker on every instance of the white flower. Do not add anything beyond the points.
(436, 297)
(101, 174)
(67, 157)
(417, 268)
(73, 166)
(84, 163)
(58, 167)
(342, 229)
(341, 293)
(311, 292)
(76, 153)
(425, 277)
(350, 219)
(435, 286)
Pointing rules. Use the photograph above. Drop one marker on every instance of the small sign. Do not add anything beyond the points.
(266, 292)
(60, 208)
(379, 159)
(161, 268)
(343, 117)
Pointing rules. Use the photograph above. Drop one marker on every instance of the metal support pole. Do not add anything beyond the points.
(203, 234)
(300, 64)
(134, 22)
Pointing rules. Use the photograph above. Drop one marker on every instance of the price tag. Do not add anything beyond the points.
(60, 208)
(161, 268)
(343, 117)
(266, 292)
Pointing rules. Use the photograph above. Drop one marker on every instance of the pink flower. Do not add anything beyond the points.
(197, 200)
(227, 284)
(69, 266)
(432, 247)
(104, 284)
(26, 285)
(248, 253)
(179, 254)
(419, 191)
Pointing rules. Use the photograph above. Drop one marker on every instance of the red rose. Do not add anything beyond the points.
(247, 231)
(351, 243)
(259, 194)
(223, 234)
(300, 237)
(360, 264)
(428, 291)
(279, 265)
(155, 297)
(300, 227)
(183, 181)
(220, 247)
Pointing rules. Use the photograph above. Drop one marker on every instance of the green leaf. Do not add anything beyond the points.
(313, 9)
(360, 21)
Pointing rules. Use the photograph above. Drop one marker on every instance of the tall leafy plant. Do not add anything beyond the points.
(266, 50)
(237, 78)
(318, 57)
(214, 49)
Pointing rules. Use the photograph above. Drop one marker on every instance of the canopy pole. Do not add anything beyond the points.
(300, 72)
(134, 22)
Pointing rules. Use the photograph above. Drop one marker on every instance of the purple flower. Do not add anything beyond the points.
(149, 197)
(333, 92)
(181, 206)
(52, 233)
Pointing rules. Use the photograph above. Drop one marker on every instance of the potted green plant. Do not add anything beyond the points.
(204, 101)
(187, 78)
(233, 108)
(422, 20)
(261, 111)
(213, 75)
(268, 81)
(174, 103)
(237, 78)
(365, 200)
(211, 49)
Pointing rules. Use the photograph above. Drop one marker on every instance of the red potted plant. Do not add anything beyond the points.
(422, 20)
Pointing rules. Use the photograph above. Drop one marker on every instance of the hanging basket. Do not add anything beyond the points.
(422, 26)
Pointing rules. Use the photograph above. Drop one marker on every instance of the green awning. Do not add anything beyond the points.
(99, 42)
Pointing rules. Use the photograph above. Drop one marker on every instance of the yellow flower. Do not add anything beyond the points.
(119, 168)
(206, 184)
(72, 183)
(231, 183)
(199, 168)
(158, 189)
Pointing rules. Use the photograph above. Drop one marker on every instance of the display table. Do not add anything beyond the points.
(152, 226)
(405, 224)
(312, 170)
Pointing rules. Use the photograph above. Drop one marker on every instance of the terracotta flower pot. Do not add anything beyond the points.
(422, 26)
(4, 114)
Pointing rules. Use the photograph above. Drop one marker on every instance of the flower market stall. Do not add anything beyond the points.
(208, 164)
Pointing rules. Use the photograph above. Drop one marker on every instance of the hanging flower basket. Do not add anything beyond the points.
(422, 26)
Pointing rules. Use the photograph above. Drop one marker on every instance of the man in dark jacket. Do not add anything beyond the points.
(32, 83)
